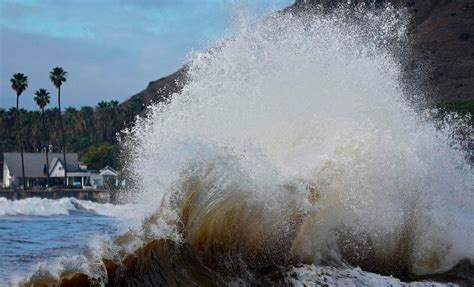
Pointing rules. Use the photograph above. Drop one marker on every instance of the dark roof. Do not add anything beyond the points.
(34, 162)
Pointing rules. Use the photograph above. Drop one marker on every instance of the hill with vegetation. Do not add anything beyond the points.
(440, 60)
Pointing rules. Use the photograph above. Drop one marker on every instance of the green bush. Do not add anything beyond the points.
(97, 157)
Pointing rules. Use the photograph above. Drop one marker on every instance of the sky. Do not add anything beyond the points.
(111, 49)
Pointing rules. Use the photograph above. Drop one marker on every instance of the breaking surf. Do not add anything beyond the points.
(292, 156)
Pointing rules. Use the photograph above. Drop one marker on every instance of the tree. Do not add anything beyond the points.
(97, 157)
(8, 136)
(58, 77)
(19, 84)
(87, 127)
(102, 118)
(116, 120)
(42, 100)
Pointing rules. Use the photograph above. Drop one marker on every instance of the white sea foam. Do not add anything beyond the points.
(53, 268)
(63, 206)
(310, 275)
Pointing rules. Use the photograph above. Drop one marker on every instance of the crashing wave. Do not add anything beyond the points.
(292, 144)
(63, 206)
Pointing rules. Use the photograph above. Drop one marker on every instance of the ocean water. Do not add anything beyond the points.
(42, 232)
(294, 155)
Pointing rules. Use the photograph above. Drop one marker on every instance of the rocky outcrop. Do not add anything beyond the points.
(441, 36)
(157, 91)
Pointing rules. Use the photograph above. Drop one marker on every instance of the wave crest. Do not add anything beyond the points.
(64, 206)
(293, 143)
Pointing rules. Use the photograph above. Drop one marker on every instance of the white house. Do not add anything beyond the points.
(36, 171)
(56, 168)
(105, 177)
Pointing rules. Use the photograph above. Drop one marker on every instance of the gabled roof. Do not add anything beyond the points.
(34, 162)
(107, 170)
(54, 162)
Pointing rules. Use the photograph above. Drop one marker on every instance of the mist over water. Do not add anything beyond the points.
(293, 143)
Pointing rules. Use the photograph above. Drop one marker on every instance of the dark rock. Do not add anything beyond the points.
(442, 27)
(159, 90)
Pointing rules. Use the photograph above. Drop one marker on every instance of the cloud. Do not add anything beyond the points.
(111, 49)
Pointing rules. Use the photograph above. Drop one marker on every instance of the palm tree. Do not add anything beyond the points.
(42, 100)
(58, 77)
(19, 84)
(102, 118)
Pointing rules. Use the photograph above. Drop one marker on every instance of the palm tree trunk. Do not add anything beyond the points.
(62, 134)
(47, 144)
(20, 141)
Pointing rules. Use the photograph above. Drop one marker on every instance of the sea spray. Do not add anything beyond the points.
(317, 99)
(293, 143)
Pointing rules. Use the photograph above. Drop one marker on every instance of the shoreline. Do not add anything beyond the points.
(95, 195)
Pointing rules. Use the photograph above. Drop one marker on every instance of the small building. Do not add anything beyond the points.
(105, 177)
(36, 171)
(35, 168)
(109, 176)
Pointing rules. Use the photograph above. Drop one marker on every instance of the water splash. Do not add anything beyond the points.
(293, 143)
(313, 102)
